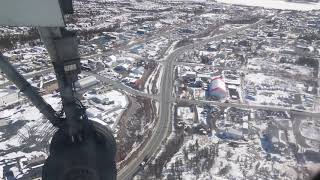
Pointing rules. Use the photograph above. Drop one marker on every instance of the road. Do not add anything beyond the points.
(246, 106)
(29, 75)
(166, 99)
(246, 70)
(162, 127)
(164, 31)
(118, 85)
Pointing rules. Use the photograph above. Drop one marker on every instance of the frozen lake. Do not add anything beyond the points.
(276, 4)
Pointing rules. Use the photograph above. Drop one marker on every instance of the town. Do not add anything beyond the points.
(191, 89)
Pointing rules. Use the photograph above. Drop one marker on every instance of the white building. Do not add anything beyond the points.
(86, 82)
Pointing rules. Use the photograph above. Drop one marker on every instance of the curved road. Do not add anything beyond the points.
(161, 130)
(166, 99)
(121, 86)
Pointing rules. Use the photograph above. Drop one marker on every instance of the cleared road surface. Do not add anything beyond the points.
(117, 84)
(246, 106)
(162, 127)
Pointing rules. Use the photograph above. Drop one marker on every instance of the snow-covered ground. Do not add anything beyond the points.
(18, 155)
(155, 48)
(189, 153)
(212, 157)
(107, 107)
(260, 64)
(201, 116)
(275, 4)
(25, 126)
(186, 115)
(31, 118)
(277, 91)
(229, 162)
(310, 130)
(152, 78)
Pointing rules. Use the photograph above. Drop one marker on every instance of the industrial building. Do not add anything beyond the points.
(217, 88)
(86, 82)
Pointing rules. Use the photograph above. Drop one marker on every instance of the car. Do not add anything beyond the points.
(142, 164)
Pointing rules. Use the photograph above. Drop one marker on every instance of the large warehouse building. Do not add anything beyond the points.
(217, 88)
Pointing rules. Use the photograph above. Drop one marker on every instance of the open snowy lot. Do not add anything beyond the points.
(106, 107)
(271, 90)
(24, 132)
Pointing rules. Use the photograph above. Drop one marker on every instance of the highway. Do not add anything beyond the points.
(166, 99)
(246, 70)
(119, 85)
(162, 127)
(246, 106)
(164, 31)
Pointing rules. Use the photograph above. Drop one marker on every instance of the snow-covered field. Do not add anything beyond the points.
(310, 130)
(18, 155)
(187, 154)
(275, 4)
(107, 112)
(32, 120)
(26, 127)
(228, 162)
(152, 78)
(277, 91)
(262, 64)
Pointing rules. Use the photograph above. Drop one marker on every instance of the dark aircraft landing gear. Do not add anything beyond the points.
(80, 149)
(89, 158)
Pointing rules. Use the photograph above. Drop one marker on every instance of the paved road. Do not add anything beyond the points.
(162, 127)
(246, 106)
(116, 84)
(165, 98)
(29, 75)
(119, 85)
(136, 41)
(246, 70)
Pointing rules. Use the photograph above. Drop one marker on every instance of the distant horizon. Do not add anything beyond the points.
(276, 4)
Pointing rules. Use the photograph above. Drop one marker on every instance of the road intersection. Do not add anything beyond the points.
(166, 99)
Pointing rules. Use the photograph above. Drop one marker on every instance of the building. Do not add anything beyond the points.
(234, 134)
(122, 67)
(137, 49)
(137, 72)
(217, 88)
(273, 140)
(141, 31)
(189, 75)
(86, 82)
(213, 47)
(100, 100)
